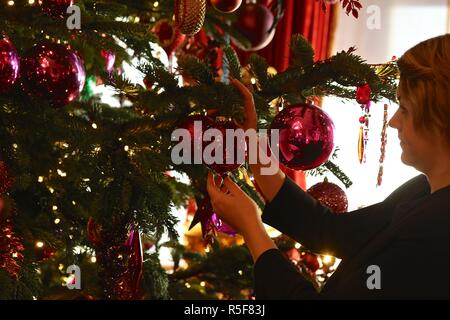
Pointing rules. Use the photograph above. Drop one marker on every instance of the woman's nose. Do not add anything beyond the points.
(393, 123)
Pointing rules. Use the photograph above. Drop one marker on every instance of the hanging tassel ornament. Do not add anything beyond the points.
(363, 97)
(383, 145)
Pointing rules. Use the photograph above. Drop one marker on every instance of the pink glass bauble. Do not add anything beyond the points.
(305, 136)
(53, 72)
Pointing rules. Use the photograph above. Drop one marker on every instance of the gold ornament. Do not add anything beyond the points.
(190, 15)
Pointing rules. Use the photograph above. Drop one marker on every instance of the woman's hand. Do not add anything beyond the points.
(251, 117)
(238, 210)
(233, 205)
(269, 184)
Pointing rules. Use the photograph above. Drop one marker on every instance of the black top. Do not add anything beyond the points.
(407, 236)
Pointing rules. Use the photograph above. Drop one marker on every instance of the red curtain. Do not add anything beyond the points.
(305, 17)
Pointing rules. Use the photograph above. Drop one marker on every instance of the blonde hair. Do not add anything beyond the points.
(425, 84)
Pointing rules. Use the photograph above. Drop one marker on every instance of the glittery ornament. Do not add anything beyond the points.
(190, 15)
(11, 249)
(330, 195)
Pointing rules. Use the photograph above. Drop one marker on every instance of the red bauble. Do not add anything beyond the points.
(9, 65)
(196, 135)
(255, 21)
(169, 37)
(53, 72)
(233, 152)
(43, 253)
(310, 260)
(205, 48)
(305, 136)
(363, 94)
(330, 195)
(227, 6)
(55, 8)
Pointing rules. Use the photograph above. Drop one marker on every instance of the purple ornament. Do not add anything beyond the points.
(203, 215)
(56, 9)
(53, 72)
(222, 226)
(305, 136)
(133, 247)
(9, 65)
(208, 219)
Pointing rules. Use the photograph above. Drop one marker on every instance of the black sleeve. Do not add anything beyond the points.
(304, 219)
(276, 278)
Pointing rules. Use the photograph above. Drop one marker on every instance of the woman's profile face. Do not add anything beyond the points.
(417, 145)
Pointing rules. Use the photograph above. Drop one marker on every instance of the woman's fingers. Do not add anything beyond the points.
(232, 187)
(242, 88)
(212, 188)
(216, 192)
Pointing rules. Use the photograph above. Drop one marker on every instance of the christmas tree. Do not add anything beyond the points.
(86, 184)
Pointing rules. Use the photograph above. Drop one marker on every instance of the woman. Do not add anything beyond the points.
(396, 249)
